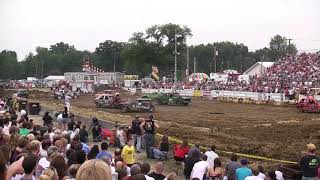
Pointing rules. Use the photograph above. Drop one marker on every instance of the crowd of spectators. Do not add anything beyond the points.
(294, 73)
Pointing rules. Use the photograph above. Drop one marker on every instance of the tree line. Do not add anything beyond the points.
(154, 46)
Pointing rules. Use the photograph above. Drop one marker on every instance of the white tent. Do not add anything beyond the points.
(258, 68)
(54, 78)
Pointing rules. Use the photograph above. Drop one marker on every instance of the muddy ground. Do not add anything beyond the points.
(271, 131)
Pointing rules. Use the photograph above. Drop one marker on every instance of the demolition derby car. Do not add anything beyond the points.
(309, 105)
(109, 101)
(139, 105)
(61, 94)
(169, 99)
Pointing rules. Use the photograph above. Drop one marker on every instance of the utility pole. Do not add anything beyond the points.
(262, 60)
(36, 69)
(194, 65)
(114, 65)
(289, 51)
(215, 58)
(42, 69)
(187, 72)
(175, 57)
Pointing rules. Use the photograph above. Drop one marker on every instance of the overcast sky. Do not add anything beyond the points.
(26, 24)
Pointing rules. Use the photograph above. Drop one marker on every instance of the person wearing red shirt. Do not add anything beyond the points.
(180, 151)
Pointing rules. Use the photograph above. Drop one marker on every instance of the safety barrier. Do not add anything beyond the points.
(239, 154)
(257, 96)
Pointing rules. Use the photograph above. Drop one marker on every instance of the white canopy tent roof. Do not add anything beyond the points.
(56, 78)
(258, 68)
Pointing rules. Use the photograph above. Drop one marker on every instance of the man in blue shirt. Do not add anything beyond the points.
(243, 171)
(104, 152)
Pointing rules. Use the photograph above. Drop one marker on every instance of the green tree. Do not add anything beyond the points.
(279, 46)
(8, 65)
(107, 56)
(230, 55)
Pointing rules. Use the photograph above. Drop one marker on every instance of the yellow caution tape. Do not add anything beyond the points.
(239, 154)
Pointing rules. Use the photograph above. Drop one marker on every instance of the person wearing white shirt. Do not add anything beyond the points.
(6, 127)
(211, 155)
(261, 172)
(200, 168)
(255, 174)
(67, 100)
(23, 112)
(279, 175)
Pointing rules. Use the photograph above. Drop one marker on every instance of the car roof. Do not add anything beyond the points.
(107, 95)
(143, 99)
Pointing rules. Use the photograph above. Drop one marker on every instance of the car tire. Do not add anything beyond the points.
(151, 109)
(124, 109)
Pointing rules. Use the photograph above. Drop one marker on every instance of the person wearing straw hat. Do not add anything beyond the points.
(310, 163)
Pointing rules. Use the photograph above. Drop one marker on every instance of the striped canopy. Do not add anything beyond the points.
(198, 77)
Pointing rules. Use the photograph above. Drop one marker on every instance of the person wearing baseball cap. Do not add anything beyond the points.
(309, 163)
(244, 171)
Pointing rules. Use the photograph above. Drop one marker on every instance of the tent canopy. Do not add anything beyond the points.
(54, 78)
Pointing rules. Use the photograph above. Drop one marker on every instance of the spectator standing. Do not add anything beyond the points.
(71, 124)
(232, 166)
(67, 101)
(83, 134)
(95, 134)
(255, 173)
(211, 155)
(200, 168)
(136, 133)
(310, 163)
(195, 148)
(149, 127)
(244, 171)
(189, 163)
(122, 136)
(23, 112)
(216, 172)
(261, 172)
(63, 119)
(128, 153)
(47, 119)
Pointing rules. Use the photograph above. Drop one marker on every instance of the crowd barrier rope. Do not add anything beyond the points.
(239, 154)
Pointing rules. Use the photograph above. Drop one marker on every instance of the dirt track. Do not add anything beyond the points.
(271, 131)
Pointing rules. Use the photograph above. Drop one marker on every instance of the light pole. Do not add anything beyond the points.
(175, 57)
